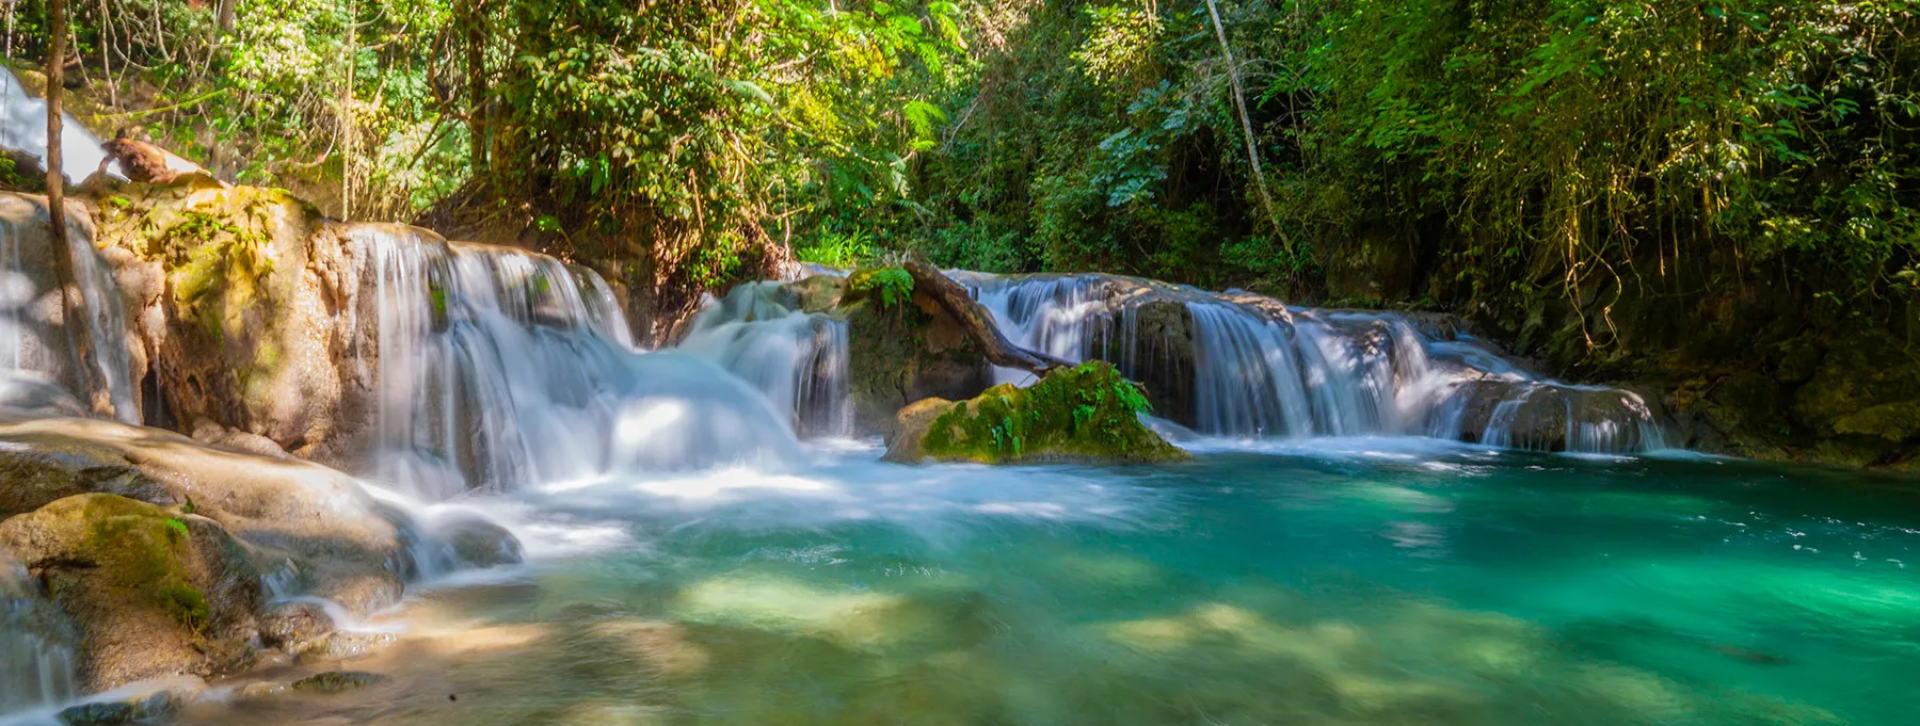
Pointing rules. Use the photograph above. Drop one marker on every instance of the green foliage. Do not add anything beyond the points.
(834, 249)
(1085, 412)
(892, 285)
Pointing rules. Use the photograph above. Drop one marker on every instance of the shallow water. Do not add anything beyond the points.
(1361, 581)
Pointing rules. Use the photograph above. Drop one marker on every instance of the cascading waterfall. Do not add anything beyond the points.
(499, 368)
(1262, 369)
(36, 647)
(41, 364)
(798, 360)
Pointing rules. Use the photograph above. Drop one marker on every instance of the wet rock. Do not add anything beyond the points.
(476, 542)
(337, 681)
(158, 706)
(905, 349)
(290, 624)
(334, 539)
(151, 592)
(1550, 417)
(1087, 413)
(816, 294)
(345, 645)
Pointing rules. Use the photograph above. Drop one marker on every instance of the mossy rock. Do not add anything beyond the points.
(153, 592)
(1088, 413)
(337, 681)
(905, 349)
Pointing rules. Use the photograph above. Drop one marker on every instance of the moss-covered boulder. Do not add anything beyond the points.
(1087, 413)
(153, 592)
(313, 529)
(905, 348)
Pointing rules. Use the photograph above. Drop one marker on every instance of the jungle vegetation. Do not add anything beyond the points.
(1504, 152)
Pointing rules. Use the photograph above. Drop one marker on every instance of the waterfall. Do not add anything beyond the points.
(798, 360)
(36, 646)
(43, 366)
(23, 126)
(1264, 369)
(500, 368)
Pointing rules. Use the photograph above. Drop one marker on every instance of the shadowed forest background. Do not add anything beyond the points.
(1604, 184)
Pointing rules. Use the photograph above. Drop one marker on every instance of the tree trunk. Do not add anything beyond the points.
(476, 86)
(976, 321)
(73, 307)
(1246, 124)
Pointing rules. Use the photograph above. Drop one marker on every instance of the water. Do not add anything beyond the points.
(42, 365)
(799, 361)
(1331, 581)
(36, 647)
(23, 125)
(1257, 368)
(500, 368)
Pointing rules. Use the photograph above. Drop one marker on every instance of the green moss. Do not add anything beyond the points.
(141, 548)
(1088, 412)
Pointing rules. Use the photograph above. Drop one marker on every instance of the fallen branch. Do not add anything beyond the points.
(976, 321)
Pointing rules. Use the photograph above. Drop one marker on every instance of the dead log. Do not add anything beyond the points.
(976, 321)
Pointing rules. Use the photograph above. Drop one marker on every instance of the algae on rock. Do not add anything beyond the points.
(153, 592)
(1087, 413)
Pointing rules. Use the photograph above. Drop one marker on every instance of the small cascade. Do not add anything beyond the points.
(42, 366)
(798, 360)
(500, 368)
(23, 126)
(36, 647)
(1263, 369)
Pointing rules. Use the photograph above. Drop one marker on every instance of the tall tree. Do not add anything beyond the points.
(1246, 124)
(73, 307)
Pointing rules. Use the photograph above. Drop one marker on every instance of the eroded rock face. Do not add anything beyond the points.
(1087, 413)
(311, 529)
(248, 301)
(153, 592)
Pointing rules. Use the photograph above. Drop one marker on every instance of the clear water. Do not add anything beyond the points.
(1346, 581)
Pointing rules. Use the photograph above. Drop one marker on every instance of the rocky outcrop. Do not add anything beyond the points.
(1847, 400)
(310, 529)
(906, 347)
(1087, 413)
(153, 592)
(1542, 416)
(249, 304)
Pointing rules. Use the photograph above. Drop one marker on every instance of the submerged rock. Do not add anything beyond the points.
(345, 645)
(476, 542)
(289, 624)
(152, 593)
(1087, 413)
(158, 706)
(337, 681)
